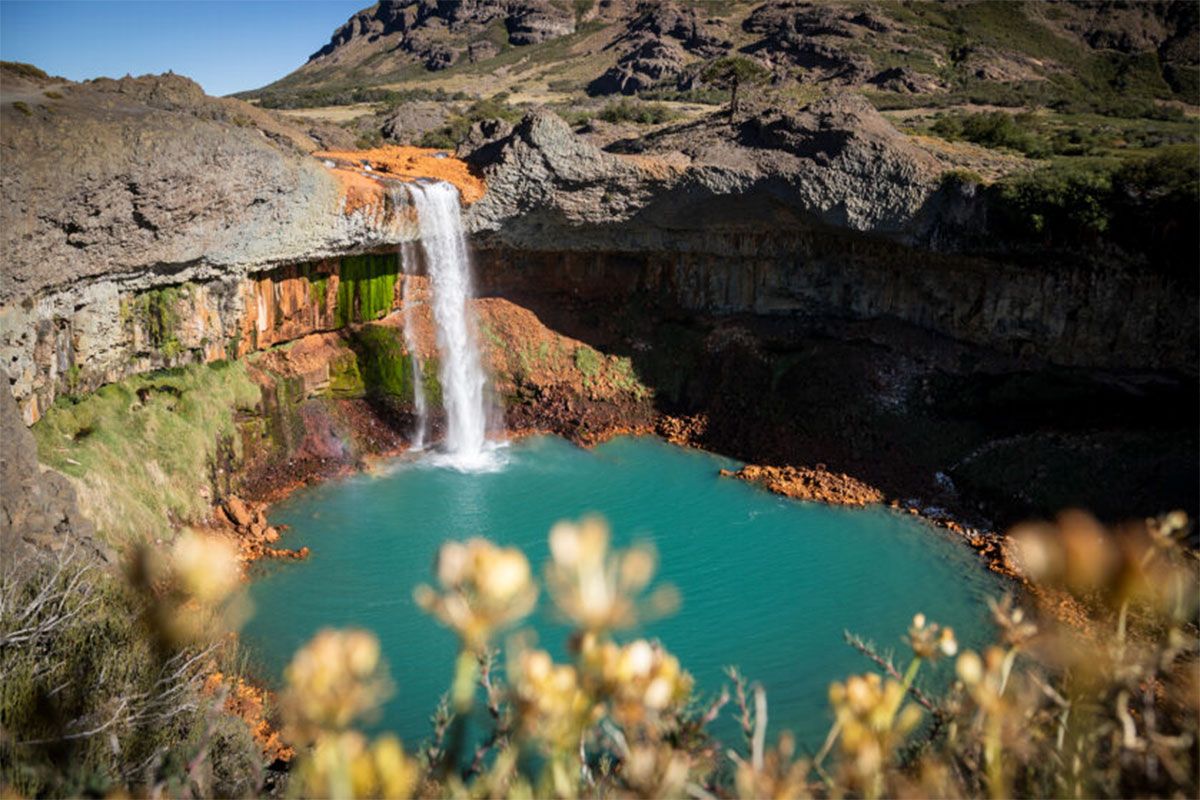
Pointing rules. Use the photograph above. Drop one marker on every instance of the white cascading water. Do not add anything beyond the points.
(460, 370)
(408, 262)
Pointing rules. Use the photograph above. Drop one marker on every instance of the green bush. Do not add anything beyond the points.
(458, 126)
(1147, 206)
(991, 129)
(640, 113)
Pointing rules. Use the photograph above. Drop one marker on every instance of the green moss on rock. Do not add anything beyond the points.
(366, 288)
(386, 367)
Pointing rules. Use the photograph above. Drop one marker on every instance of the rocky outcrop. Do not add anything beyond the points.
(434, 34)
(817, 41)
(535, 21)
(836, 162)
(148, 232)
(36, 508)
(151, 178)
(809, 483)
(656, 45)
(651, 62)
(410, 121)
(825, 209)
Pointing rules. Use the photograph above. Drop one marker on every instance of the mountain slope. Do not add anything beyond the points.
(1045, 52)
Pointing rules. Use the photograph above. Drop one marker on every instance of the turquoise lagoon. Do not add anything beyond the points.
(768, 584)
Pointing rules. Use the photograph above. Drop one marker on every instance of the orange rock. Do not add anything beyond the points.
(404, 163)
(238, 513)
(249, 702)
(810, 483)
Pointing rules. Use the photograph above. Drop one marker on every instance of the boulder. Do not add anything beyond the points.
(238, 513)
(410, 121)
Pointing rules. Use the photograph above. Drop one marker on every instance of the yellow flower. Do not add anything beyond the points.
(205, 567)
(983, 677)
(873, 724)
(929, 640)
(596, 589)
(342, 766)
(642, 680)
(336, 678)
(550, 701)
(484, 588)
(780, 778)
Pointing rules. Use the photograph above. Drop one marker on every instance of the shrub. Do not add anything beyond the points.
(89, 702)
(458, 126)
(1063, 200)
(992, 129)
(1145, 205)
(625, 110)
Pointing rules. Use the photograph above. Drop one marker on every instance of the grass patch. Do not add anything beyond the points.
(141, 452)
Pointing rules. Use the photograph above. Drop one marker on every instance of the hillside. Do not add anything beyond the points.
(1046, 53)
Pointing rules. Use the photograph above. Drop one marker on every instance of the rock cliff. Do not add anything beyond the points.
(836, 163)
(148, 176)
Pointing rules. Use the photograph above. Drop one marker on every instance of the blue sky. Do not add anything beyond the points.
(225, 45)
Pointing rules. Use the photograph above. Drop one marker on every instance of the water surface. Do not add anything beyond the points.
(768, 584)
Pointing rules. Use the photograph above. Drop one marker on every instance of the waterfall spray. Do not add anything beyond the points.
(460, 370)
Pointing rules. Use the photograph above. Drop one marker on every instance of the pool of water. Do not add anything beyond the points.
(768, 584)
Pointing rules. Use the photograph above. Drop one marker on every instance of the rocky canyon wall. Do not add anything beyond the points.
(1062, 317)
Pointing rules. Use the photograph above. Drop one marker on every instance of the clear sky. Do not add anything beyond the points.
(225, 45)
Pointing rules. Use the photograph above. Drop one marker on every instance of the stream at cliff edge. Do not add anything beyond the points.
(767, 583)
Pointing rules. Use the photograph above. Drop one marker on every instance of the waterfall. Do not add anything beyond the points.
(408, 262)
(460, 370)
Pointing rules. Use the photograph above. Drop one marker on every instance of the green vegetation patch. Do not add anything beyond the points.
(625, 110)
(1042, 135)
(366, 288)
(157, 313)
(588, 361)
(384, 367)
(458, 126)
(141, 451)
(1135, 203)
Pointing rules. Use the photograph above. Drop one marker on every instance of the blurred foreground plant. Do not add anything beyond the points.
(1048, 709)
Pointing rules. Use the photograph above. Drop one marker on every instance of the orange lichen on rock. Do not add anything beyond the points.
(359, 191)
(402, 163)
(249, 702)
(804, 483)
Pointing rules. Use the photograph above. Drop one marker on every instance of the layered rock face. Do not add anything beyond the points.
(148, 176)
(134, 203)
(823, 210)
